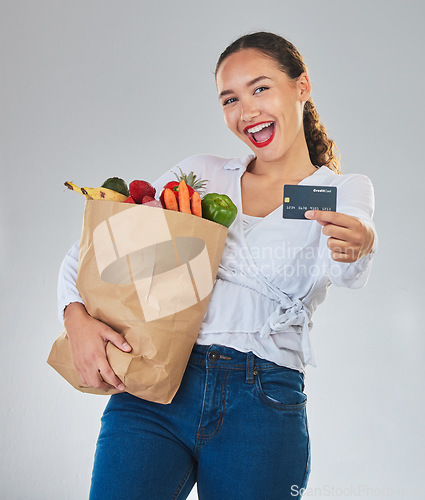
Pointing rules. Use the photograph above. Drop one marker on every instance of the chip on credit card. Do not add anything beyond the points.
(298, 199)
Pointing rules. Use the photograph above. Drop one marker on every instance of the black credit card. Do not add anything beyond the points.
(298, 199)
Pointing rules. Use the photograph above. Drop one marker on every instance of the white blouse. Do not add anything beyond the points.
(273, 273)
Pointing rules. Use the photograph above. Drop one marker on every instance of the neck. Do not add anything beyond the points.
(294, 165)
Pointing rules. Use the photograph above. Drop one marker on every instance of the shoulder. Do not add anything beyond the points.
(347, 184)
(356, 187)
(344, 179)
(355, 193)
(215, 169)
(222, 174)
(207, 162)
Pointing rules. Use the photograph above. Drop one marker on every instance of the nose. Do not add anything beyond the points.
(248, 110)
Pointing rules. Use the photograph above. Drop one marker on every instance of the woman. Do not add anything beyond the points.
(238, 425)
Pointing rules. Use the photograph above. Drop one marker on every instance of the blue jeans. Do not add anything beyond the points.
(237, 427)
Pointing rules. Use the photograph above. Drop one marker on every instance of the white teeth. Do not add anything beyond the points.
(259, 127)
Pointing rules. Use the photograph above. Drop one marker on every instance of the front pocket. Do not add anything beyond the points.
(281, 388)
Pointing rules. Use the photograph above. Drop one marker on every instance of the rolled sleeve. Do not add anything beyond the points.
(67, 288)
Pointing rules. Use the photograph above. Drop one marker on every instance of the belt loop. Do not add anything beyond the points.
(250, 368)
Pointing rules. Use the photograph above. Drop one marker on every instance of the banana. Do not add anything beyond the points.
(73, 187)
(99, 193)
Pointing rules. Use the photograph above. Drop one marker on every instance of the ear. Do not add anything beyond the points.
(304, 87)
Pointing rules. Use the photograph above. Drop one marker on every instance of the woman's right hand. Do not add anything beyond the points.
(88, 338)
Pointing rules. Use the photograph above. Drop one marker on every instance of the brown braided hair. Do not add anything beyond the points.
(320, 147)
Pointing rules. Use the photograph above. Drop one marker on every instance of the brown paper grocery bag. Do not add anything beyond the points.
(148, 273)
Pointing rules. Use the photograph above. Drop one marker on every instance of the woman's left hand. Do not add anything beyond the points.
(349, 237)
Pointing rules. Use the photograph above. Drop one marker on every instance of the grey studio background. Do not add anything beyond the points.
(96, 88)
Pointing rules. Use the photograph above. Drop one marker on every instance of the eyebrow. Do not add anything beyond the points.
(252, 82)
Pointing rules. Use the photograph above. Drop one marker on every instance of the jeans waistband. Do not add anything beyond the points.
(219, 356)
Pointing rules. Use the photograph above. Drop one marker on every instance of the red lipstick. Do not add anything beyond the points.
(251, 135)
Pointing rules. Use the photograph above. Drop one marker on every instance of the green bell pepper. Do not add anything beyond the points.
(219, 208)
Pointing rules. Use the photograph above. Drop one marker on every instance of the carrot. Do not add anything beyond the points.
(195, 204)
(184, 198)
(170, 200)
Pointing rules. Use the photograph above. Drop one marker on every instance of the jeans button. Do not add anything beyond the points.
(214, 356)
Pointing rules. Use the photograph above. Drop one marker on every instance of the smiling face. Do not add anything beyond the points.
(262, 105)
